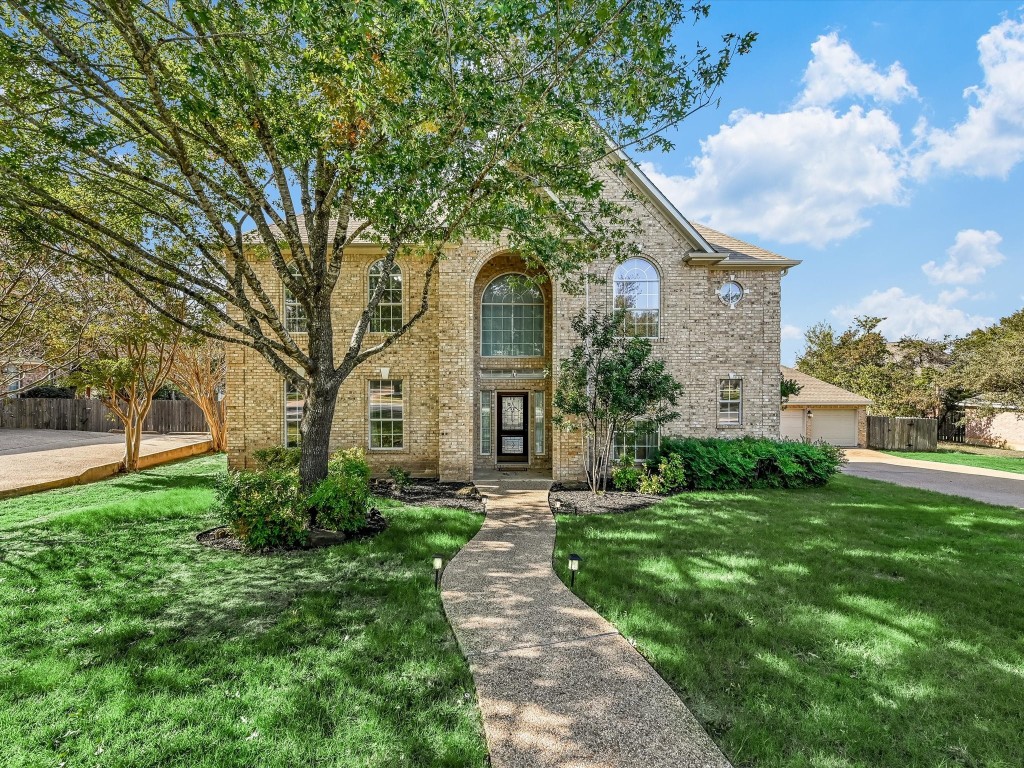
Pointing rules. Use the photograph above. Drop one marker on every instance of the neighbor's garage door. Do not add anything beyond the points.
(836, 427)
(792, 425)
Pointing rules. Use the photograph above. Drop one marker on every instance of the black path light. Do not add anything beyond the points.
(574, 566)
(438, 565)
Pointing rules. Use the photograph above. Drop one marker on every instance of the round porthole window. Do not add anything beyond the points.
(731, 293)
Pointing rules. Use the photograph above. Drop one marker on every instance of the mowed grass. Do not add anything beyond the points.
(124, 642)
(965, 458)
(861, 624)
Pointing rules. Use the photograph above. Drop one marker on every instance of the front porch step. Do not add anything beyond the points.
(512, 468)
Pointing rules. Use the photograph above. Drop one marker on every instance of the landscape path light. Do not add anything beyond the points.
(438, 565)
(574, 566)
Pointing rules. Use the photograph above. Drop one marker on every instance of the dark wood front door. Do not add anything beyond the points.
(512, 427)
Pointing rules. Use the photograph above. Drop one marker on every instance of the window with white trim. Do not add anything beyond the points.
(294, 314)
(538, 423)
(485, 422)
(387, 415)
(636, 290)
(512, 318)
(730, 402)
(14, 376)
(638, 443)
(387, 318)
(294, 403)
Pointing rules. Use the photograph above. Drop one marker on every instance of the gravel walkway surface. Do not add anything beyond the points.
(557, 684)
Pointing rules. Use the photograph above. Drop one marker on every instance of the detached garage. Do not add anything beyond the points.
(822, 411)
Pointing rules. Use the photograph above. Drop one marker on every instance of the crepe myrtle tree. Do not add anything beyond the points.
(610, 382)
(242, 131)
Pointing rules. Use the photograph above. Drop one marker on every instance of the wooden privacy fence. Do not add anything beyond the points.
(900, 433)
(93, 416)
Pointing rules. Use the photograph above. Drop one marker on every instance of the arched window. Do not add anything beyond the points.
(637, 290)
(388, 316)
(512, 318)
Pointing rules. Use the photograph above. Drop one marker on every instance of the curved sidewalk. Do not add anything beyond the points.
(557, 684)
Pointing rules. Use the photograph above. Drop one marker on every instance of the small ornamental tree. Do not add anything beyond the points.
(133, 349)
(200, 370)
(608, 383)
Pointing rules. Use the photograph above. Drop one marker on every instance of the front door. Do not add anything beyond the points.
(512, 424)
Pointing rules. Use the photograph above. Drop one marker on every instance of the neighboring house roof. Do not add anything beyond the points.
(818, 392)
(981, 402)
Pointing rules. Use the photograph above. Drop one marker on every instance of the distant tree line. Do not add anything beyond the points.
(920, 377)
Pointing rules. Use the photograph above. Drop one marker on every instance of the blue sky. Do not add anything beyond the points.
(882, 144)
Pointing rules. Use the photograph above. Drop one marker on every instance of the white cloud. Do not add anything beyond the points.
(836, 71)
(990, 140)
(912, 315)
(792, 332)
(971, 254)
(805, 176)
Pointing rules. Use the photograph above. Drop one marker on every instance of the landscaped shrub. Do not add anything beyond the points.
(50, 391)
(710, 464)
(626, 474)
(340, 502)
(671, 474)
(263, 508)
(277, 457)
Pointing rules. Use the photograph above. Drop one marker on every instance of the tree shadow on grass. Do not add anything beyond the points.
(164, 651)
(852, 625)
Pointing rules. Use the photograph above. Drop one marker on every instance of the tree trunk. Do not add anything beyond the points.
(213, 410)
(317, 418)
(132, 439)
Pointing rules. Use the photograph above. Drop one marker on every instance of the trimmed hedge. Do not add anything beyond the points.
(712, 464)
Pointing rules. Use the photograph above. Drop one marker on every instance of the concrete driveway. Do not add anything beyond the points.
(988, 485)
(38, 459)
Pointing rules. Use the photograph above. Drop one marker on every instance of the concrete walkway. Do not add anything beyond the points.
(557, 684)
(991, 486)
(40, 459)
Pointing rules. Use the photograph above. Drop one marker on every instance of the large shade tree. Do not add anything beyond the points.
(413, 124)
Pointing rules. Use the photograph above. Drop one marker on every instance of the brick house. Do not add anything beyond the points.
(469, 387)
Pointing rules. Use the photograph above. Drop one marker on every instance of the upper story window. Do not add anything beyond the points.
(512, 318)
(388, 316)
(294, 314)
(637, 290)
(730, 402)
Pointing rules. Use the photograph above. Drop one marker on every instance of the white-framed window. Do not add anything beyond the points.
(387, 415)
(294, 403)
(639, 444)
(730, 402)
(294, 314)
(538, 423)
(512, 318)
(485, 422)
(387, 318)
(636, 289)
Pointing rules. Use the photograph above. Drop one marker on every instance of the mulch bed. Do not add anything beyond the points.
(574, 501)
(222, 538)
(430, 493)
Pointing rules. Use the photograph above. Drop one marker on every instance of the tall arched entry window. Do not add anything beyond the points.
(388, 317)
(637, 290)
(512, 318)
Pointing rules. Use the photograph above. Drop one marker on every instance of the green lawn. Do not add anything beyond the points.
(123, 642)
(861, 624)
(1004, 463)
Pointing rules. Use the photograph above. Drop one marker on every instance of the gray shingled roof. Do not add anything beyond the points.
(817, 392)
(724, 243)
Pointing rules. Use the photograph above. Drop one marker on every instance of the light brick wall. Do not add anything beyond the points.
(1001, 430)
(439, 361)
